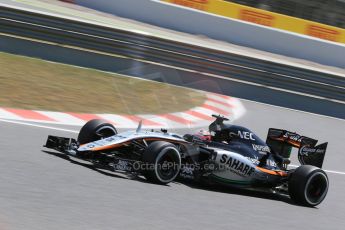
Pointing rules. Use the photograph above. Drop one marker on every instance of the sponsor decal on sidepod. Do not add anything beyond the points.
(236, 166)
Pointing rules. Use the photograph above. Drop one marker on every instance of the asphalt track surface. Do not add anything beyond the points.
(42, 190)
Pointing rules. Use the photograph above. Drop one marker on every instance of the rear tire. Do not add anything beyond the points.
(308, 185)
(94, 130)
(162, 162)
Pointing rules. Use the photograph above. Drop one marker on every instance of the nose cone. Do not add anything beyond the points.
(91, 145)
(87, 147)
(103, 142)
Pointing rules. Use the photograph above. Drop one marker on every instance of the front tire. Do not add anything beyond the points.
(162, 162)
(308, 185)
(94, 130)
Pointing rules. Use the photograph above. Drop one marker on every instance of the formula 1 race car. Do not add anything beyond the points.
(227, 154)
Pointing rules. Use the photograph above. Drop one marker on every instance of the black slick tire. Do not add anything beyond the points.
(161, 162)
(94, 130)
(308, 185)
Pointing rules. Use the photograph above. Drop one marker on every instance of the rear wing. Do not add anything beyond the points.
(309, 153)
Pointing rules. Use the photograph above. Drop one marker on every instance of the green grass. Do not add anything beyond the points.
(28, 83)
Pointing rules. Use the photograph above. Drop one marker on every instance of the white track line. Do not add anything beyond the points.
(38, 126)
(329, 171)
(336, 172)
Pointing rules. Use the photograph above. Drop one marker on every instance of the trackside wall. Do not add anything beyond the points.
(222, 28)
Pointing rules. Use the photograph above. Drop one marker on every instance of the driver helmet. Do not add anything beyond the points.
(203, 135)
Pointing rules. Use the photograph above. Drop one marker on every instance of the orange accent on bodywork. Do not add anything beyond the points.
(294, 143)
(128, 142)
(109, 146)
(273, 172)
(289, 141)
(161, 139)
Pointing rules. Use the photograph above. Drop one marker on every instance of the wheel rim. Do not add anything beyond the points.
(316, 188)
(105, 131)
(168, 164)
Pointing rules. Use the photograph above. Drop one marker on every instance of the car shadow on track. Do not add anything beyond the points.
(240, 192)
(95, 168)
(235, 191)
(193, 185)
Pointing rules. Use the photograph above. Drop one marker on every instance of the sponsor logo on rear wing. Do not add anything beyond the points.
(292, 138)
(308, 151)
